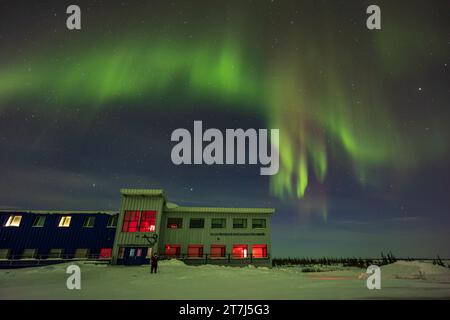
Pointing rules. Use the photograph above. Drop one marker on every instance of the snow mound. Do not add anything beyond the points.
(415, 270)
(172, 263)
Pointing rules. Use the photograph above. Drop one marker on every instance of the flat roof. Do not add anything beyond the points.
(68, 212)
(169, 207)
(172, 207)
(219, 210)
(142, 192)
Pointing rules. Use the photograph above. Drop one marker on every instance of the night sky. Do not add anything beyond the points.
(363, 114)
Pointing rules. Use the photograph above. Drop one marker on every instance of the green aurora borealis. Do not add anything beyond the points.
(329, 91)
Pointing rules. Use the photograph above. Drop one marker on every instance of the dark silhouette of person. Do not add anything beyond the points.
(154, 263)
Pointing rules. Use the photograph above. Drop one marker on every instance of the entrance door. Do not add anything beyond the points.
(135, 255)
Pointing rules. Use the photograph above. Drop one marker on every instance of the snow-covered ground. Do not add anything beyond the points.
(175, 280)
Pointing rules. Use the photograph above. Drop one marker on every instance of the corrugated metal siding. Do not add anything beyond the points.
(205, 236)
(51, 236)
(137, 203)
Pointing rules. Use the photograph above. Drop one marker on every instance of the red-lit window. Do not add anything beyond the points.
(105, 252)
(259, 251)
(172, 250)
(148, 221)
(240, 251)
(195, 251)
(217, 251)
(131, 221)
(174, 223)
(142, 221)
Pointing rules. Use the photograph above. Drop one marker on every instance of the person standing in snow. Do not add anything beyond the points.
(154, 263)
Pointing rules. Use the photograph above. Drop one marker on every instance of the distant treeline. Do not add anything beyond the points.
(350, 262)
(346, 262)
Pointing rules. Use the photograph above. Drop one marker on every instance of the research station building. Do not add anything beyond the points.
(145, 224)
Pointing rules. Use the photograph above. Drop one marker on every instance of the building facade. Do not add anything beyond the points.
(145, 224)
(149, 224)
(40, 234)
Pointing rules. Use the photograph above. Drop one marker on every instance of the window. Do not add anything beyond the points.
(259, 251)
(29, 253)
(131, 221)
(258, 223)
(4, 254)
(139, 221)
(173, 250)
(55, 253)
(105, 253)
(148, 221)
(197, 223)
(174, 223)
(112, 221)
(64, 221)
(195, 251)
(138, 252)
(218, 223)
(89, 222)
(81, 253)
(13, 221)
(121, 253)
(217, 251)
(240, 251)
(239, 223)
(39, 221)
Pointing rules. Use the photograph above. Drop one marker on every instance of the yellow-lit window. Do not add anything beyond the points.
(65, 221)
(13, 221)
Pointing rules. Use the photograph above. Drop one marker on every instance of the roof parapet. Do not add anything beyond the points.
(142, 192)
(219, 210)
(61, 212)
